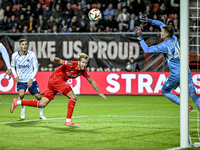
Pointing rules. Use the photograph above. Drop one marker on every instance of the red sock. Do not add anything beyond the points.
(33, 103)
(71, 105)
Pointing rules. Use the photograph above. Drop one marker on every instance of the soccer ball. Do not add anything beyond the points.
(128, 67)
(95, 15)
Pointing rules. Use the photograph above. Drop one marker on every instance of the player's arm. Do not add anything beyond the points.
(6, 59)
(35, 70)
(144, 46)
(57, 60)
(94, 85)
(5, 55)
(13, 69)
(145, 19)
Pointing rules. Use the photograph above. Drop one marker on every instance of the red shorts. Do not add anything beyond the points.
(56, 85)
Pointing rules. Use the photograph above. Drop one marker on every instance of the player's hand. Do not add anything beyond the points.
(144, 19)
(102, 95)
(30, 82)
(8, 72)
(17, 79)
(138, 32)
(56, 60)
(52, 59)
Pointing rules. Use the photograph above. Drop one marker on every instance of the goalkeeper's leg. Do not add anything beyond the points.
(192, 93)
(172, 97)
(166, 91)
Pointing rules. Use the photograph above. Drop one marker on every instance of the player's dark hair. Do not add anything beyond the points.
(22, 40)
(169, 30)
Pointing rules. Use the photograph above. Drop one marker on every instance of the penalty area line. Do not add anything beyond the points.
(39, 120)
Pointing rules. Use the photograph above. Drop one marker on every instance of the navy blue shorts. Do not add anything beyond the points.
(34, 89)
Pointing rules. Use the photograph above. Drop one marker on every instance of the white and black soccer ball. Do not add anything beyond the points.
(95, 15)
(128, 67)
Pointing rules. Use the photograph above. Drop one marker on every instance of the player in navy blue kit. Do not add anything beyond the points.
(26, 63)
(171, 51)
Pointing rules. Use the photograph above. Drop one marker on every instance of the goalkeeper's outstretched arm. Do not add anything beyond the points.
(158, 23)
(144, 46)
(145, 19)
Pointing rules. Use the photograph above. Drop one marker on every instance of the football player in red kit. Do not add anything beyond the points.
(57, 84)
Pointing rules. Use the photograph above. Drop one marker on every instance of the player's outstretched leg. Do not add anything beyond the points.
(172, 97)
(16, 102)
(193, 95)
(196, 100)
(14, 105)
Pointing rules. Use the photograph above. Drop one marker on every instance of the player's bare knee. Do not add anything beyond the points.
(21, 96)
(38, 97)
(74, 97)
(42, 105)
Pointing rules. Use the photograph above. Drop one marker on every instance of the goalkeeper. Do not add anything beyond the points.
(171, 51)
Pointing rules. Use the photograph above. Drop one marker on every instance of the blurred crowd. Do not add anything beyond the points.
(66, 16)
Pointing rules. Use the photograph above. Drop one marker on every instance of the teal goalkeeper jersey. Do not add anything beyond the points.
(170, 50)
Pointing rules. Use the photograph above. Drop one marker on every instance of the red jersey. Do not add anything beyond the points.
(69, 70)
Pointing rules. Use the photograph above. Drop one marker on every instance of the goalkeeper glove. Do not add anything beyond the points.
(138, 32)
(144, 19)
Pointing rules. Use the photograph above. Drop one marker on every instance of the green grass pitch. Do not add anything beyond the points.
(120, 123)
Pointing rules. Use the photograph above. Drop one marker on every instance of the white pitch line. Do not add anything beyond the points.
(115, 116)
(96, 116)
(39, 120)
(101, 104)
(175, 148)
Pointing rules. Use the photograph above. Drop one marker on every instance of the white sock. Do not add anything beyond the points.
(18, 102)
(40, 111)
(68, 120)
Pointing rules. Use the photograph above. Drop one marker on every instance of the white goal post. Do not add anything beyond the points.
(184, 64)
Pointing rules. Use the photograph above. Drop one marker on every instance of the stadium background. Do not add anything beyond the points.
(123, 122)
(109, 50)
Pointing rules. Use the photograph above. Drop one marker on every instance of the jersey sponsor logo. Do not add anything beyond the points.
(23, 66)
